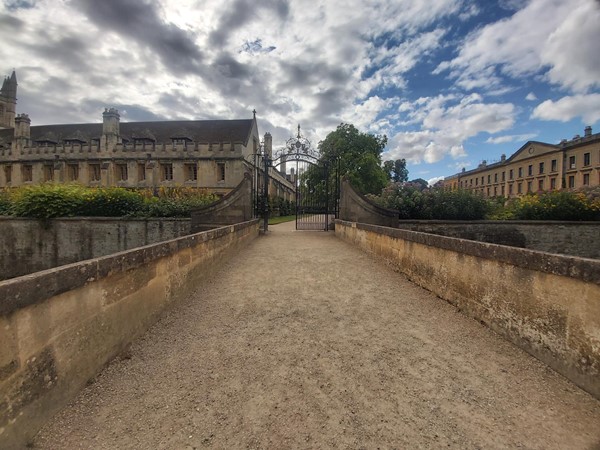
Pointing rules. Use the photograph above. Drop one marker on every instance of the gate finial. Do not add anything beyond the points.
(298, 131)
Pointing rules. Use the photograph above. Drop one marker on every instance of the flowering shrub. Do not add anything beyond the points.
(556, 205)
(414, 202)
(46, 201)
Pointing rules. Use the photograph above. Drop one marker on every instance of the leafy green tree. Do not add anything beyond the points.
(388, 166)
(359, 157)
(396, 170)
(420, 183)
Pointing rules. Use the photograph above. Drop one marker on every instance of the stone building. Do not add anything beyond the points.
(536, 167)
(210, 154)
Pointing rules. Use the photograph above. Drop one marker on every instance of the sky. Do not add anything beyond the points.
(449, 82)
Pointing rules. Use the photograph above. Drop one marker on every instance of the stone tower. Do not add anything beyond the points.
(8, 101)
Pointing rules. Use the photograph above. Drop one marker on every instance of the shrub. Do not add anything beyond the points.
(556, 205)
(412, 202)
(47, 200)
(67, 200)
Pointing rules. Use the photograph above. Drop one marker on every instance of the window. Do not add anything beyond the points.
(489, 179)
(141, 172)
(167, 172)
(48, 172)
(510, 189)
(586, 159)
(503, 176)
(552, 183)
(529, 186)
(571, 181)
(27, 173)
(488, 192)
(502, 191)
(495, 191)
(8, 173)
(122, 173)
(73, 172)
(495, 178)
(541, 167)
(586, 179)
(519, 188)
(510, 174)
(520, 172)
(554, 166)
(221, 172)
(481, 180)
(571, 162)
(94, 172)
(530, 170)
(477, 181)
(540, 185)
(191, 172)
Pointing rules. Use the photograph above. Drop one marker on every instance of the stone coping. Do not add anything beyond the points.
(499, 222)
(102, 219)
(585, 269)
(17, 293)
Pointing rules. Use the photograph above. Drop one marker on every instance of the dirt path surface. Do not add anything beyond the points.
(310, 343)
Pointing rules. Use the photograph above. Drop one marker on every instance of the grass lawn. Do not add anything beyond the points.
(281, 219)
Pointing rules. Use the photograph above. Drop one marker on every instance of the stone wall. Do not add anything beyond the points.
(547, 304)
(28, 245)
(234, 207)
(60, 327)
(571, 238)
(357, 208)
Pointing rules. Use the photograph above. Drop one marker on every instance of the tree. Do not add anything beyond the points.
(400, 171)
(396, 170)
(359, 157)
(420, 183)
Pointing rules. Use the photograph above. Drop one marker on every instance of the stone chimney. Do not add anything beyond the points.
(587, 131)
(268, 144)
(502, 157)
(22, 126)
(110, 127)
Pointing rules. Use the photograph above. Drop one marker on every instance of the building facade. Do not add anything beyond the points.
(209, 154)
(536, 167)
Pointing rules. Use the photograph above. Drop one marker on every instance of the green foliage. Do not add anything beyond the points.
(555, 205)
(396, 170)
(5, 203)
(46, 201)
(414, 202)
(359, 157)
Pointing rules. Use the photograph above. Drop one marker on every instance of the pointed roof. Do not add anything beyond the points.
(9, 87)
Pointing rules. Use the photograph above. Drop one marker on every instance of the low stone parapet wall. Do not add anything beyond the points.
(547, 304)
(30, 245)
(569, 238)
(59, 327)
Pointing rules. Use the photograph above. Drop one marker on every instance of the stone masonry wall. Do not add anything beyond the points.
(570, 238)
(28, 245)
(60, 327)
(547, 304)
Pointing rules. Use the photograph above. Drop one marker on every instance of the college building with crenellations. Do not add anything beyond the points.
(209, 154)
(536, 167)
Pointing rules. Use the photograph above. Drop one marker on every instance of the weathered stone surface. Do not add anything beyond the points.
(28, 246)
(547, 304)
(59, 327)
(571, 238)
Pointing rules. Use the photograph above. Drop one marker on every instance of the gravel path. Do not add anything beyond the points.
(310, 343)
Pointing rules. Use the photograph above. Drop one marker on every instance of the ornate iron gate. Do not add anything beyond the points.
(316, 181)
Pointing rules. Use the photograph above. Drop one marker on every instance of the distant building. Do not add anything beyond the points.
(210, 154)
(536, 167)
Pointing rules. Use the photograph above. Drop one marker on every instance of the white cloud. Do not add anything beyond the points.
(531, 97)
(447, 121)
(585, 106)
(434, 180)
(557, 36)
(510, 138)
